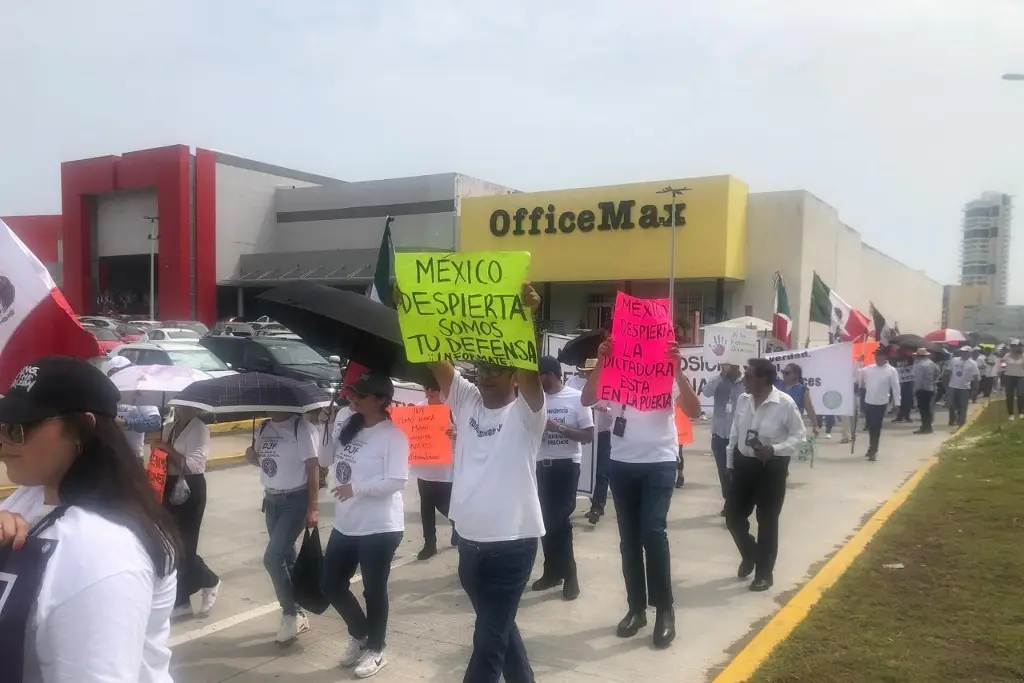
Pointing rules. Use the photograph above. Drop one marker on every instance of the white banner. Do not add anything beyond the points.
(551, 345)
(828, 374)
(700, 372)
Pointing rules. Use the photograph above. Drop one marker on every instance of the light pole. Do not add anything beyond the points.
(152, 237)
(675, 192)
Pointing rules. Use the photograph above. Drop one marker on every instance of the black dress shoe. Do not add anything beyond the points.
(631, 624)
(571, 588)
(594, 515)
(761, 584)
(428, 551)
(746, 569)
(664, 627)
(545, 583)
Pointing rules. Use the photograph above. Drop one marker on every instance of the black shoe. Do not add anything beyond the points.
(680, 481)
(761, 584)
(746, 569)
(631, 624)
(923, 430)
(571, 588)
(664, 627)
(428, 551)
(545, 583)
(594, 515)
(872, 456)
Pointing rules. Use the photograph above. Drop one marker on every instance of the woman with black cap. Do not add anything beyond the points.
(92, 551)
(369, 460)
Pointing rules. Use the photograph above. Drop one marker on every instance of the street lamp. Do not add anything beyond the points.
(152, 237)
(675, 192)
(1013, 77)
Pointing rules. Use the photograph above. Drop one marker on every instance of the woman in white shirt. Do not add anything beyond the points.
(186, 441)
(285, 450)
(368, 458)
(1013, 379)
(435, 486)
(93, 551)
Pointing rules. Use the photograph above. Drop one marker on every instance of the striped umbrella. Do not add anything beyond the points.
(946, 336)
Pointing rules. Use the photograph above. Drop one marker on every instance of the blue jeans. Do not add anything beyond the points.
(958, 400)
(642, 493)
(285, 514)
(372, 555)
(494, 576)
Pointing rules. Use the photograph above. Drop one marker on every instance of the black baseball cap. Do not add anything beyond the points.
(549, 365)
(58, 385)
(374, 384)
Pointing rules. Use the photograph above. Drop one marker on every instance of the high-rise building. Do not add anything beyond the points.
(985, 245)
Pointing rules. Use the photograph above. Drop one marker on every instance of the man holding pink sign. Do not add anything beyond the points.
(639, 373)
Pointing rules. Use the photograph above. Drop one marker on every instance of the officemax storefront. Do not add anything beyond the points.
(586, 244)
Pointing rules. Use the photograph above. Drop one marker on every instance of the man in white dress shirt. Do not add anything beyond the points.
(881, 384)
(765, 431)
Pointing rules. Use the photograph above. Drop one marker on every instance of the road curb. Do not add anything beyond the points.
(782, 624)
(230, 427)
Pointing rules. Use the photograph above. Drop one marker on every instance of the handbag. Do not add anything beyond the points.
(307, 574)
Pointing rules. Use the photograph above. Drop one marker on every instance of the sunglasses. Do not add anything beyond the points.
(17, 433)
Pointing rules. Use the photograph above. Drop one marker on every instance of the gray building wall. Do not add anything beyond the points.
(121, 229)
(1005, 322)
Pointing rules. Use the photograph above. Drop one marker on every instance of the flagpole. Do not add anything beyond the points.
(675, 192)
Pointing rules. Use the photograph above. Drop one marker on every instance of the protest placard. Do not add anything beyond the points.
(732, 345)
(466, 307)
(156, 471)
(425, 428)
(639, 371)
(828, 374)
(684, 428)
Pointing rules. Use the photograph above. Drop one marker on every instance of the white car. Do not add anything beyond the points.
(183, 354)
(162, 334)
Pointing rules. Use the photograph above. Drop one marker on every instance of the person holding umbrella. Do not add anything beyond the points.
(285, 450)
(369, 458)
(136, 421)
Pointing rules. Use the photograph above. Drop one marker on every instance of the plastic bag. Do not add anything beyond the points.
(180, 493)
(307, 573)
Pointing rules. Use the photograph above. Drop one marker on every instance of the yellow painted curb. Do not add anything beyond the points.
(746, 662)
(227, 427)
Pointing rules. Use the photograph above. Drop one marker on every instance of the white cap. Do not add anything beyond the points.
(965, 348)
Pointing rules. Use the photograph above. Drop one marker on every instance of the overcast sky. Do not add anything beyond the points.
(891, 111)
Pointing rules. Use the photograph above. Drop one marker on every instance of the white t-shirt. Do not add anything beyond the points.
(376, 464)
(193, 443)
(494, 495)
(566, 409)
(650, 435)
(1013, 367)
(962, 372)
(442, 473)
(576, 382)
(282, 456)
(103, 615)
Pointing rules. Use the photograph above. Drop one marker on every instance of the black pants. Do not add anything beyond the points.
(761, 486)
(828, 422)
(642, 493)
(434, 495)
(372, 555)
(925, 407)
(557, 481)
(193, 574)
(873, 418)
(494, 576)
(604, 456)
(906, 402)
(719, 444)
(1014, 389)
(985, 386)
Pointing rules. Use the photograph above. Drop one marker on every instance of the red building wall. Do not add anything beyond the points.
(40, 234)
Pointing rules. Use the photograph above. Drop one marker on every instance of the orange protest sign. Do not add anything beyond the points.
(425, 427)
(865, 349)
(157, 471)
(683, 427)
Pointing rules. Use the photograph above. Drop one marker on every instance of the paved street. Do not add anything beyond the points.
(431, 620)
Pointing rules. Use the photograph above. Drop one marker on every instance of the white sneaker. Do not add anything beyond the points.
(181, 611)
(290, 628)
(209, 596)
(1012, 418)
(828, 436)
(354, 652)
(370, 664)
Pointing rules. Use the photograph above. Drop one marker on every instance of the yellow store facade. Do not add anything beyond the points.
(586, 244)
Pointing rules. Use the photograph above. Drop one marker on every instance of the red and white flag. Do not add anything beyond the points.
(35, 318)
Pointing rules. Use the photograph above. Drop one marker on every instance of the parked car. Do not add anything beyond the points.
(130, 333)
(162, 334)
(145, 324)
(184, 354)
(232, 329)
(196, 327)
(98, 321)
(282, 357)
(107, 337)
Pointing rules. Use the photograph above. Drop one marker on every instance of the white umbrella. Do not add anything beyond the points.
(746, 321)
(151, 384)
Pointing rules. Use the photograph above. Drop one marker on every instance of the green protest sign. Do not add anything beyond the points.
(466, 306)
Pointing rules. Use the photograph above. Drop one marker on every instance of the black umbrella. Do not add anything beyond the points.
(346, 323)
(252, 392)
(577, 351)
(913, 342)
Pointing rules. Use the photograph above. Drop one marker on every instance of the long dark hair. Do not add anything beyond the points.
(355, 423)
(108, 478)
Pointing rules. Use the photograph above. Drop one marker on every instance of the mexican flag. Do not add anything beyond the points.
(782, 321)
(882, 330)
(380, 289)
(828, 308)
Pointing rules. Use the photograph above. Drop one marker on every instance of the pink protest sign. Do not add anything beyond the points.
(639, 371)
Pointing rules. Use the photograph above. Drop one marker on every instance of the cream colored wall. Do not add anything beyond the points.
(962, 296)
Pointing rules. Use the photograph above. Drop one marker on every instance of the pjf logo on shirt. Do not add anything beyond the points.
(26, 379)
(269, 467)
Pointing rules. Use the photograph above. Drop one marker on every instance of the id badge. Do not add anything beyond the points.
(619, 428)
